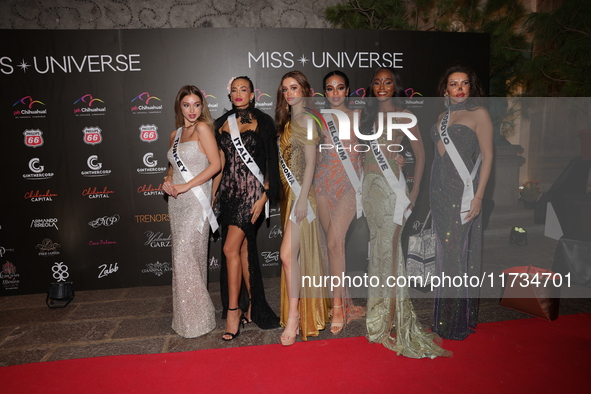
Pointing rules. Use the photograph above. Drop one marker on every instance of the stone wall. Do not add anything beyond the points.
(156, 14)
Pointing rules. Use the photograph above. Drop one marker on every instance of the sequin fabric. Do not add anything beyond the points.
(314, 302)
(336, 195)
(459, 246)
(391, 319)
(193, 313)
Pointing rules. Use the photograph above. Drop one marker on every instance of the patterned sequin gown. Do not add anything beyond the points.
(314, 302)
(239, 190)
(459, 246)
(332, 185)
(391, 319)
(193, 313)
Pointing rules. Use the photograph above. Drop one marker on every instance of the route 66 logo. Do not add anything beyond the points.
(92, 135)
(148, 133)
(33, 138)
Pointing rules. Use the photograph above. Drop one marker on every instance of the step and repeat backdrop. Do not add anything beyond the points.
(86, 118)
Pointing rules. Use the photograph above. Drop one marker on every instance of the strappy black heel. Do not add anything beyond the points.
(243, 319)
(240, 322)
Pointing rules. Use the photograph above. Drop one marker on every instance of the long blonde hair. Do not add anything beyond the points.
(186, 91)
(282, 110)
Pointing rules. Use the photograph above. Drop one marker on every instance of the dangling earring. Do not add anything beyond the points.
(446, 101)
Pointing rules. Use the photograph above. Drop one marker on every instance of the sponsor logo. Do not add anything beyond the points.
(106, 221)
(48, 248)
(214, 263)
(414, 100)
(325, 59)
(2, 251)
(69, 64)
(96, 168)
(44, 223)
(9, 276)
(157, 240)
(148, 133)
(271, 258)
(38, 196)
(60, 271)
(105, 270)
(145, 103)
(148, 190)
(37, 171)
(151, 165)
(94, 192)
(157, 268)
(27, 107)
(33, 138)
(101, 242)
(275, 232)
(88, 105)
(153, 218)
(92, 135)
(263, 101)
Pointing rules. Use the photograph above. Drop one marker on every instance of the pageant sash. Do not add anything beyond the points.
(465, 175)
(398, 185)
(245, 156)
(346, 162)
(197, 190)
(296, 188)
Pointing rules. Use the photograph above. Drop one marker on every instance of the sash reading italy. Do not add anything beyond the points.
(398, 185)
(296, 188)
(197, 190)
(346, 162)
(467, 177)
(245, 156)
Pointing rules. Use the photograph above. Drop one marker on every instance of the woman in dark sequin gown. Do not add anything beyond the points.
(459, 246)
(242, 201)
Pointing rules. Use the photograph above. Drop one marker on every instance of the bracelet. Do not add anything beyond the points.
(166, 177)
(266, 191)
(478, 197)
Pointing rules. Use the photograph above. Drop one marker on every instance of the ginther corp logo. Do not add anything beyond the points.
(344, 131)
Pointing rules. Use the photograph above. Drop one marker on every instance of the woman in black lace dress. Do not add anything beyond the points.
(245, 136)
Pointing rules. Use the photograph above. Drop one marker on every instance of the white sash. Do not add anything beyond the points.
(465, 175)
(346, 162)
(245, 156)
(197, 190)
(296, 188)
(398, 185)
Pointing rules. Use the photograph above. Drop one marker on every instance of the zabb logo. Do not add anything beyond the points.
(88, 105)
(151, 165)
(145, 103)
(27, 107)
(148, 133)
(33, 138)
(38, 196)
(96, 167)
(37, 171)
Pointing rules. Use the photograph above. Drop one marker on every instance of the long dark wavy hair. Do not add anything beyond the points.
(186, 91)
(476, 89)
(282, 109)
(370, 111)
(250, 102)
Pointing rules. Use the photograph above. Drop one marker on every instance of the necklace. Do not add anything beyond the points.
(459, 106)
(244, 115)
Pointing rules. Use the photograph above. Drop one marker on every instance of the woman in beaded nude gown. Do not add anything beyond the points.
(193, 313)
(336, 196)
(303, 306)
(242, 200)
(391, 319)
(459, 246)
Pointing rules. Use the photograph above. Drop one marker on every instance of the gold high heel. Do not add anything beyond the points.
(286, 338)
(338, 326)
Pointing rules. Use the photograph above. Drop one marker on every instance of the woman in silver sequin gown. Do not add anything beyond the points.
(459, 246)
(193, 312)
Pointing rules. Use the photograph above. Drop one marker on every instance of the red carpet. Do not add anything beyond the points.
(531, 355)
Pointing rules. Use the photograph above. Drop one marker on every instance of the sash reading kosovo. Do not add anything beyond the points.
(197, 190)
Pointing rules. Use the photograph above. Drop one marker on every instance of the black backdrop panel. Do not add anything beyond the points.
(87, 117)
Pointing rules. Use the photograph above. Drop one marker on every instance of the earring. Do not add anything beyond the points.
(446, 100)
